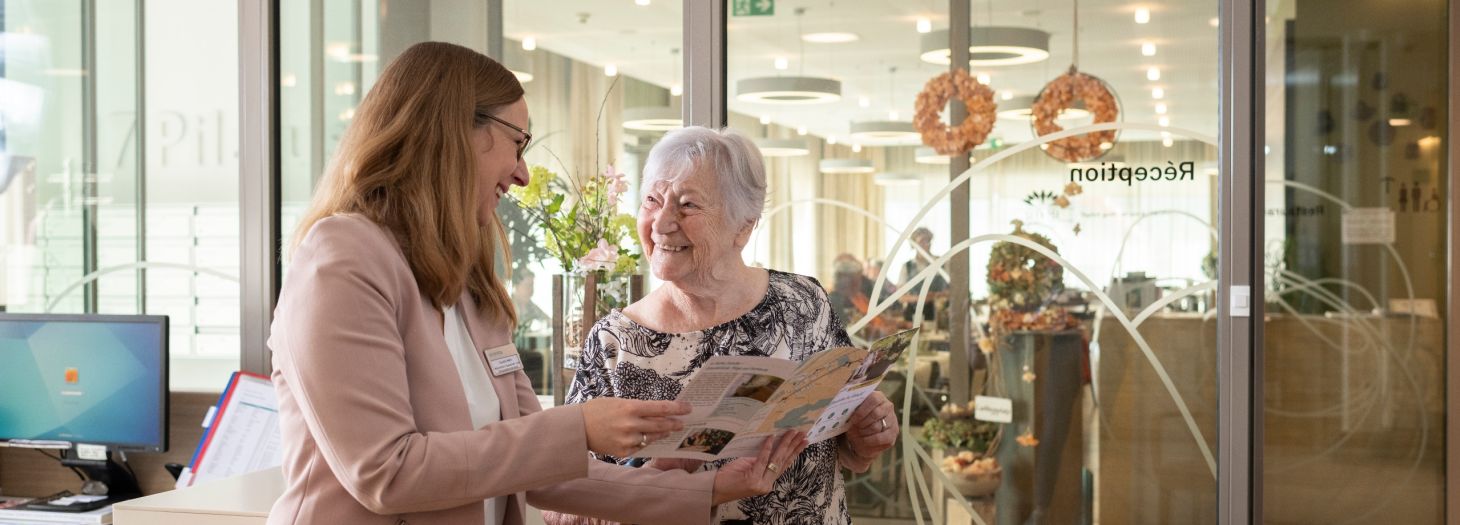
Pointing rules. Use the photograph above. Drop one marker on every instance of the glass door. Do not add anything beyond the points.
(1357, 239)
(1087, 389)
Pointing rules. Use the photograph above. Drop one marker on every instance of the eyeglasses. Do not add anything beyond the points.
(526, 137)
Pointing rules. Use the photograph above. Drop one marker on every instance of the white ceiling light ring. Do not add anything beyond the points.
(884, 131)
(1022, 108)
(990, 46)
(782, 147)
(897, 179)
(653, 118)
(847, 166)
(927, 155)
(788, 90)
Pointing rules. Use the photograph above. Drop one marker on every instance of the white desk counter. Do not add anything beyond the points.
(242, 500)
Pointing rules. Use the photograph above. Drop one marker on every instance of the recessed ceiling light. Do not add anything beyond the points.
(529, 44)
(641, 2)
(1161, 108)
(1143, 15)
(765, 120)
(857, 148)
(782, 147)
(801, 131)
(990, 46)
(1153, 73)
(1158, 93)
(985, 78)
(864, 101)
(831, 37)
(610, 70)
(925, 26)
(846, 166)
(831, 139)
(676, 90)
(892, 115)
(1006, 95)
(1164, 121)
(1148, 49)
(788, 90)
(653, 118)
(1167, 142)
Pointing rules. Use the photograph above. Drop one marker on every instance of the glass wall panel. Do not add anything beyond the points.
(603, 83)
(119, 169)
(1356, 246)
(1107, 356)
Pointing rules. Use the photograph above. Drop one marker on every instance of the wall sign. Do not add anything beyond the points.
(1111, 172)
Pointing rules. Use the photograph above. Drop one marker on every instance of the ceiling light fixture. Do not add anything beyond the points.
(653, 118)
(1148, 49)
(857, 148)
(529, 44)
(831, 37)
(990, 46)
(884, 131)
(1161, 108)
(985, 78)
(801, 131)
(676, 90)
(1164, 121)
(1158, 93)
(897, 179)
(925, 26)
(831, 139)
(1143, 16)
(863, 101)
(765, 120)
(1020, 108)
(1153, 73)
(782, 63)
(926, 155)
(782, 147)
(835, 165)
(610, 70)
(788, 90)
(641, 2)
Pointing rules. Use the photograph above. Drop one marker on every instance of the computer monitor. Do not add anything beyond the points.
(86, 379)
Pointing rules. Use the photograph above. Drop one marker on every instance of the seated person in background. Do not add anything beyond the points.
(922, 239)
(849, 298)
(527, 311)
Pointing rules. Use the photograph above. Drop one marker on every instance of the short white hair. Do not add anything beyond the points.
(730, 157)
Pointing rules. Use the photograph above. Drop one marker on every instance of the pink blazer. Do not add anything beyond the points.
(374, 418)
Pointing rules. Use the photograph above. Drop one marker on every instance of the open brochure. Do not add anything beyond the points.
(740, 401)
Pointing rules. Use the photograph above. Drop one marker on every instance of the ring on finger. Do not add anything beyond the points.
(884, 423)
(771, 467)
(643, 440)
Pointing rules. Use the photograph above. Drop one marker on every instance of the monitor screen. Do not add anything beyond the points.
(95, 379)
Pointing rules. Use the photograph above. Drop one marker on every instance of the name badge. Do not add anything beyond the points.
(503, 359)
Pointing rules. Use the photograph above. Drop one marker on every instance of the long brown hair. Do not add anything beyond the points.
(406, 163)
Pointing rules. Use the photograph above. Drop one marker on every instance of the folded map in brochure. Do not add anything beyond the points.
(740, 401)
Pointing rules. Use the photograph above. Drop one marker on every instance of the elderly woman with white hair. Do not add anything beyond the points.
(703, 192)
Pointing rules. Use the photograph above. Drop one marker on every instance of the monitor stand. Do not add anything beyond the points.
(103, 478)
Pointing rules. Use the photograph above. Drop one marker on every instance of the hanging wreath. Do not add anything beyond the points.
(1059, 95)
(1020, 278)
(956, 140)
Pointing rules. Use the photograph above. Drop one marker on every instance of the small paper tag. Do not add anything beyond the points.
(91, 452)
(993, 409)
(503, 359)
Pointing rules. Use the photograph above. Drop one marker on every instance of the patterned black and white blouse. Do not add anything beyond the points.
(624, 359)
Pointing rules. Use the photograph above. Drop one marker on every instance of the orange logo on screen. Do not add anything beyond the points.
(73, 376)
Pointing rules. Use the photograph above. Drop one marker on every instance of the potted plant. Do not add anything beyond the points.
(967, 445)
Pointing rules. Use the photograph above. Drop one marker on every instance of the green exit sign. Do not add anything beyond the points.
(754, 7)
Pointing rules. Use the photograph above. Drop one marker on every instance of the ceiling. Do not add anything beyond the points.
(642, 41)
